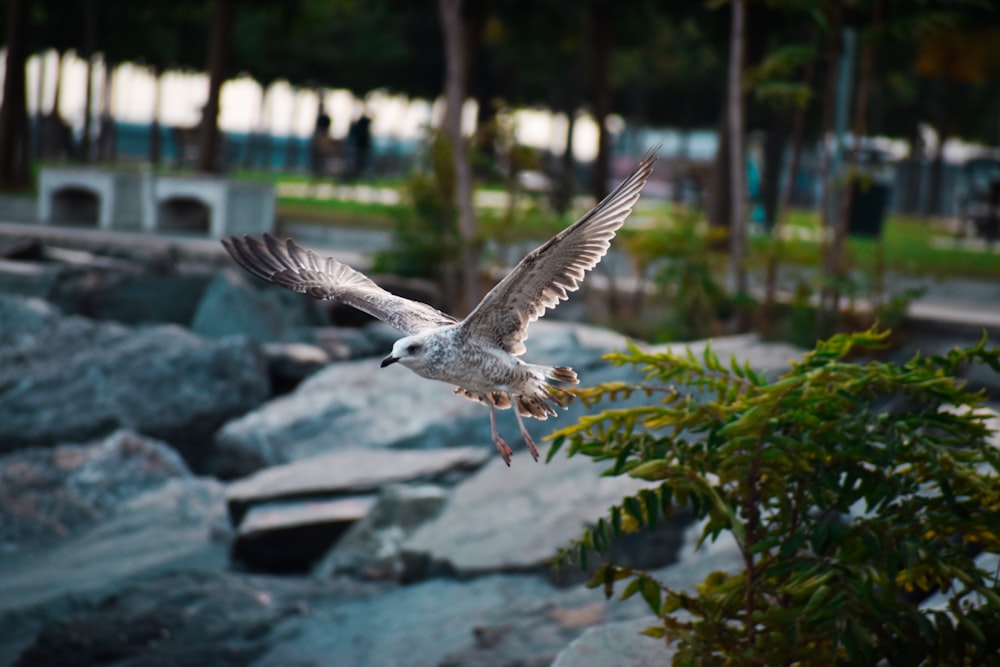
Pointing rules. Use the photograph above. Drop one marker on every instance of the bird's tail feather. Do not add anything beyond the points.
(541, 404)
(562, 374)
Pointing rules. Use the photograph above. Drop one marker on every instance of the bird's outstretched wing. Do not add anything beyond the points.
(291, 266)
(549, 273)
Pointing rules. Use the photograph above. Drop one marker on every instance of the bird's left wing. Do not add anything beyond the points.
(291, 266)
(549, 273)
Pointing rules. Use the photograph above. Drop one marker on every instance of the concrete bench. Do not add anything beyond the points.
(216, 206)
(104, 198)
(134, 201)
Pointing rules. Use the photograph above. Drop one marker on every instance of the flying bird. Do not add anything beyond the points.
(480, 354)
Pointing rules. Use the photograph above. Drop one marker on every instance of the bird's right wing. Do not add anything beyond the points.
(551, 271)
(291, 266)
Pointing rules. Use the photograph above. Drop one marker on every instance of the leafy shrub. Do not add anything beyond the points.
(425, 238)
(686, 274)
(853, 490)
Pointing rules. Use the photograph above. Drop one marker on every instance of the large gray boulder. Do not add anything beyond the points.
(179, 526)
(181, 618)
(489, 621)
(25, 321)
(350, 405)
(620, 644)
(357, 404)
(230, 619)
(129, 297)
(232, 306)
(372, 548)
(29, 279)
(72, 379)
(50, 493)
(515, 519)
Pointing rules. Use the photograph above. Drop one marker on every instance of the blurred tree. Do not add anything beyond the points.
(219, 41)
(456, 66)
(14, 143)
(760, 22)
(537, 57)
(735, 126)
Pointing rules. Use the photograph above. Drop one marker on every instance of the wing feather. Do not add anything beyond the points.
(293, 267)
(547, 275)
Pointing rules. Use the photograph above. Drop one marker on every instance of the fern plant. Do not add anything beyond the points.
(852, 489)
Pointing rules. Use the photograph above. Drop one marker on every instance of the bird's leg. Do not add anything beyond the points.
(524, 431)
(501, 445)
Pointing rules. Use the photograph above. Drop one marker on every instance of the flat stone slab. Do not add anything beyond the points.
(280, 516)
(290, 536)
(352, 471)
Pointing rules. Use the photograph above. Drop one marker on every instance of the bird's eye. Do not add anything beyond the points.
(412, 348)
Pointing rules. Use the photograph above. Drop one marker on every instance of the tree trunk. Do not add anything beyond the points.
(601, 19)
(718, 207)
(775, 142)
(785, 200)
(737, 223)
(106, 134)
(865, 75)
(88, 103)
(52, 139)
(291, 148)
(565, 186)
(454, 94)
(833, 263)
(14, 140)
(566, 94)
(90, 48)
(39, 139)
(482, 87)
(209, 155)
(155, 145)
(834, 49)
(935, 205)
(942, 91)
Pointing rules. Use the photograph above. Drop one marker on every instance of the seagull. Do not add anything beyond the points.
(480, 354)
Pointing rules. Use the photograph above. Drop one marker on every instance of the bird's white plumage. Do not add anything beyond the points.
(478, 354)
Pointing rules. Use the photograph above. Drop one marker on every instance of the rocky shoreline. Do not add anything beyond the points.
(196, 468)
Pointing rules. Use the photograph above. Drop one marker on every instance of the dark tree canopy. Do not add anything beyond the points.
(936, 60)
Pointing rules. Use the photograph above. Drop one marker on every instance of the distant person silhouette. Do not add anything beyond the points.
(320, 144)
(360, 139)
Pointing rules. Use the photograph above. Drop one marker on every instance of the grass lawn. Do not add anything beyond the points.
(909, 245)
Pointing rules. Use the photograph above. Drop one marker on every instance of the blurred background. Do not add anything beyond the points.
(844, 113)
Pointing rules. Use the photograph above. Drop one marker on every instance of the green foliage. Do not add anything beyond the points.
(851, 488)
(425, 237)
(685, 272)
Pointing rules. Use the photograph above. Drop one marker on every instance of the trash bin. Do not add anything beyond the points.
(869, 200)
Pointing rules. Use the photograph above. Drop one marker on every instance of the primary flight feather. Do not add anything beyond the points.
(480, 353)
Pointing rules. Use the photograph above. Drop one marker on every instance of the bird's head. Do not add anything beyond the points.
(410, 351)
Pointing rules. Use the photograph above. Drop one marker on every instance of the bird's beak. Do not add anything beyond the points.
(389, 360)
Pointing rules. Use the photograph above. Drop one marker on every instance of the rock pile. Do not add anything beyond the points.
(173, 435)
